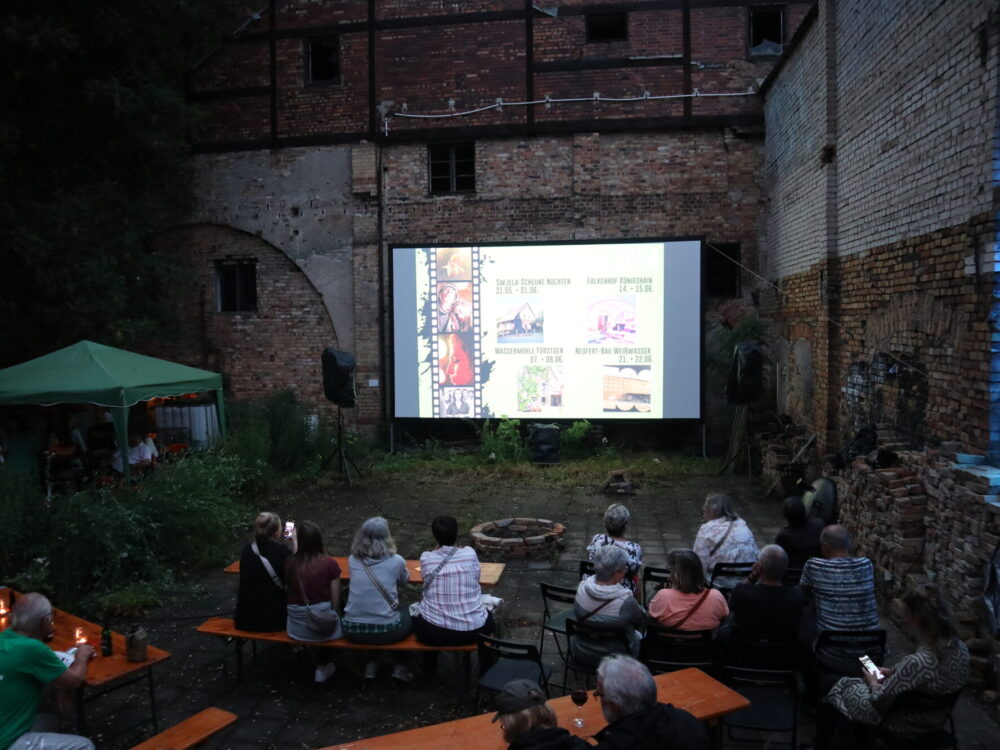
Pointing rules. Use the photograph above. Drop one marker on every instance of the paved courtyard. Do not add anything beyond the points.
(280, 707)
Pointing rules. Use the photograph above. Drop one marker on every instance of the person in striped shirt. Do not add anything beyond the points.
(842, 587)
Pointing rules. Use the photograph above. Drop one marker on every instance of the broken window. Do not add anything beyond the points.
(236, 285)
(767, 31)
(722, 275)
(452, 168)
(607, 27)
(323, 60)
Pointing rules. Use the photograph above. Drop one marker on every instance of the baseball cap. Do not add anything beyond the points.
(518, 695)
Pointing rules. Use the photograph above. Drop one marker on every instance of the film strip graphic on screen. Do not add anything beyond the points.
(455, 331)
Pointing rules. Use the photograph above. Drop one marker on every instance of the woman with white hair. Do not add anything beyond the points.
(602, 603)
(373, 615)
(616, 519)
(724, 537)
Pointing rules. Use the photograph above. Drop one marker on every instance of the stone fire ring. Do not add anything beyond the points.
(517, 536)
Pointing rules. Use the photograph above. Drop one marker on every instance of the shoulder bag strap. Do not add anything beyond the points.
(268, 567)
(724, 537)
(429, 579)
(393, 604)
(684, 619)
(595, 611)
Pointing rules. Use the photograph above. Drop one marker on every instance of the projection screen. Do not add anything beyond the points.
(580, 330)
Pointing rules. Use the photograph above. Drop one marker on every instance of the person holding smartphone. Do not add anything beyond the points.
(261, 603)
(940, 665)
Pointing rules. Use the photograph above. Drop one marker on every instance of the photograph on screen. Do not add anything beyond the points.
(520, 320)
(454, 310)
(456, 402)
(612, 320)
(454, 263)
(455, 359)
(627, 389)
(540, 389)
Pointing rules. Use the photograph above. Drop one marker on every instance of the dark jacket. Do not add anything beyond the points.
(662, 727)
(801, 542)
(260, 604)
(549, 738)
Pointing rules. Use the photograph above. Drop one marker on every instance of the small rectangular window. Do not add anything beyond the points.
(607, 27)
(767, 31)
(323, 60)
(452, 168)
(236, 286)
(722, 274)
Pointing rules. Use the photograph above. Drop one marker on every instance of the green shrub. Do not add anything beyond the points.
(502, 441)
(25, 522)
(276, 436)
(573, 440)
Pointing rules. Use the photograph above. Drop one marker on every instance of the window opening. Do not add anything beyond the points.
(607, 27)
(236, 285)
(722, 275)
(323, 62)
(766, 31)
(452, 168)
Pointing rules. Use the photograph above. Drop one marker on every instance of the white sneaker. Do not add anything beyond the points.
(402, 673)
(325, 671)
(371, 669)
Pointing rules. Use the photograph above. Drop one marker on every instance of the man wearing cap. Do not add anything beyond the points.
(635, 720)
(27, 666)
(528, 722)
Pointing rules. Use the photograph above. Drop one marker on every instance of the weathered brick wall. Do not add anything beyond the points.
(274, 348)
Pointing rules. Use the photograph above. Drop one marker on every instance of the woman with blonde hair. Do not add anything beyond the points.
(260, 598)
(528, 722)
(689, 603)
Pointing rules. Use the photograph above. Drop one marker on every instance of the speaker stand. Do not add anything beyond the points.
(740, 440)
(344, 463)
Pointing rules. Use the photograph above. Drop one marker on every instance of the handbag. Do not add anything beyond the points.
(428, 580)
(268, 567)
(393, 603)
(322, 621)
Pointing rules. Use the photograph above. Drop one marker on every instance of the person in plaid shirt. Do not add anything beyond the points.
(451, 610)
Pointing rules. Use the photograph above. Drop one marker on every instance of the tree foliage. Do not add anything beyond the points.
(93, 161)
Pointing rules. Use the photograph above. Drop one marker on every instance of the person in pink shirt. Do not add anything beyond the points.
(689, 603)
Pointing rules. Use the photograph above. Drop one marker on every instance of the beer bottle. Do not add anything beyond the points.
(106, 641)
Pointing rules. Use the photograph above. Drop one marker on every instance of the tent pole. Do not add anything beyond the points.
(119, 415)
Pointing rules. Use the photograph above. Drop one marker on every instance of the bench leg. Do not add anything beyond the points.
(152, 701)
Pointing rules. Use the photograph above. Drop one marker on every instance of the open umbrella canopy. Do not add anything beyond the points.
(92, 373)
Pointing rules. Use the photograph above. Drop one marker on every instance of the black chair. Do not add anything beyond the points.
(837, 651)
(558, 607)
(666, 650)
(792, 577)
(503, 661)
(658, 576)
(606, 640)
(750, 648)
(586, 569)
(923, 704)
(729, 570)
(774, 707)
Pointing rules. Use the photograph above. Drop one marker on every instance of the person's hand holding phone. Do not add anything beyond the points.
(872, 674)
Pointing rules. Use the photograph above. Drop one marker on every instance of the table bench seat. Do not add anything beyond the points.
(192, 731)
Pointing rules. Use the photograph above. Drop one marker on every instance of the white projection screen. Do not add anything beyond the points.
(577, 330)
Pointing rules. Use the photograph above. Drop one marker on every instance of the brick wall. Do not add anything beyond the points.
(274, 348)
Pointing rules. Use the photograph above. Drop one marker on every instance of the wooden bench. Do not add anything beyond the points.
(224, 627)
(192, 731)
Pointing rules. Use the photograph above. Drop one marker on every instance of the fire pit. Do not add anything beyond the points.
(518, 537)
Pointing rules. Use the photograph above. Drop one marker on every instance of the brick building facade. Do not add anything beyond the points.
(879, 245)
(306, 143)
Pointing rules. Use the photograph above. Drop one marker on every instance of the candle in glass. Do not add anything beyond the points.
(79, 637)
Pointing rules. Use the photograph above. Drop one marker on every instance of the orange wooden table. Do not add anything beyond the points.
(489, 572)
(690, 689)
(104, 673)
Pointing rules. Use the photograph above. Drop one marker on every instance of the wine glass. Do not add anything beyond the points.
(579, 697)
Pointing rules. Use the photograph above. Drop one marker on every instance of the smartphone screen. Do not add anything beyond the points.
(289, 529)
(869, 666)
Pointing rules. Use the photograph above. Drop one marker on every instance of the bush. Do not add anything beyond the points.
(573, 440)
(502, 441)
(25, 522)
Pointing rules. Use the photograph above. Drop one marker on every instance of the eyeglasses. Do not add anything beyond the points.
(598, 694)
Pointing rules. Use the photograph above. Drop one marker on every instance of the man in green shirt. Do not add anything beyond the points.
(27, 666)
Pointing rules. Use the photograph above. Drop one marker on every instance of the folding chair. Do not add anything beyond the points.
(503, 661)
(837, 651)
(554, 617)
(774, 707)
(586, 569)
(792, 577)
(724, 572)
(923, 704)
(666, 650)
(607, 640)
(756, 649)
(660, 577)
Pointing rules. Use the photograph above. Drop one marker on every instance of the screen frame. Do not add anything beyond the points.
(388, 377)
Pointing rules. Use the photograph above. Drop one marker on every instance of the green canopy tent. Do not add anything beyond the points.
(95, 374)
